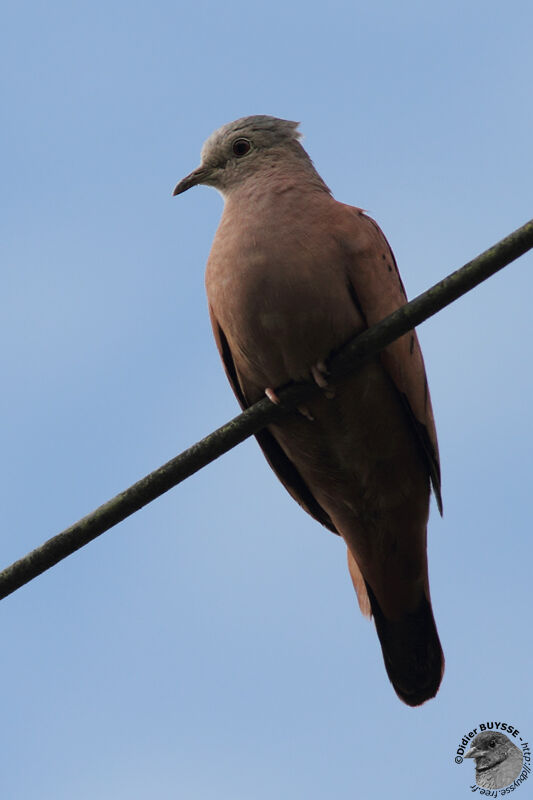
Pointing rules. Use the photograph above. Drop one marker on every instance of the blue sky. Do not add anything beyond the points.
(211, 645)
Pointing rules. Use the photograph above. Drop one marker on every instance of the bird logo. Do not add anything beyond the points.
(498, 760)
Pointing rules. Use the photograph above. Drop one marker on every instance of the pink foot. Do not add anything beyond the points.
(304, 411)
(319, 372)
(272, 396)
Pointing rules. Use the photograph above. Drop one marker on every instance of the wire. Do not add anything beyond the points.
(355, 353)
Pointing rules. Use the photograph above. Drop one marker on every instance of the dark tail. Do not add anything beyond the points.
(411, 651)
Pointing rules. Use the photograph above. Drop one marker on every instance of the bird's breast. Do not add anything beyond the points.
(280, 298)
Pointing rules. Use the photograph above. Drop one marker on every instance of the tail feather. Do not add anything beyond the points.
(411, 651)
(359, 584)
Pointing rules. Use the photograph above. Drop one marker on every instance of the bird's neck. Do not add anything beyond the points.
(290, 176)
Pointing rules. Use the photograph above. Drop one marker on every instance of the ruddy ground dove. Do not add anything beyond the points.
(292, 275)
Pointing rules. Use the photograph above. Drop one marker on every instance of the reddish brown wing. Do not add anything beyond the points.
(378, 291)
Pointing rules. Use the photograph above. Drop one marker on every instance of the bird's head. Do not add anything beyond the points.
(233, 152)
(490, 748)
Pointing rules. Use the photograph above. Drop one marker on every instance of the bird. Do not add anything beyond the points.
(292, 275)
(498, 760)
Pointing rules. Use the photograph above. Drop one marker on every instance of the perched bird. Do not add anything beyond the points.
(498, 760)
(292, 275)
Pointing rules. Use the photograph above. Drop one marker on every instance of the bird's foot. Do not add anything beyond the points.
(272, 396)
(319, 372)
(304, 411)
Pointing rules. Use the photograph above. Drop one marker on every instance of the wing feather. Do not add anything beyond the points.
(276, 457)
(377, 296)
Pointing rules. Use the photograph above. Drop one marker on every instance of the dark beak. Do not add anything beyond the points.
(198, 176)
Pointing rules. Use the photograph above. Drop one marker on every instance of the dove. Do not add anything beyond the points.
(498, 760)
(292, 275)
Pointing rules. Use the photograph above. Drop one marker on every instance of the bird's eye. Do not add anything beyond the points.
(241, 147)
(492, 743)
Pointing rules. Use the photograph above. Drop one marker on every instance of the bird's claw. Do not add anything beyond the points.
(304, 411)
(319, 372)
(272, 396)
